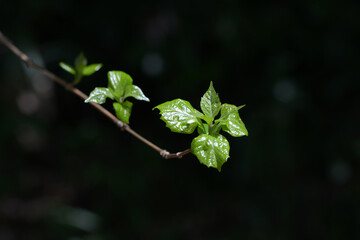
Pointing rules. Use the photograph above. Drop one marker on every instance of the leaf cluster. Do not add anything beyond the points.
(80, 68)
(210, 147)
(120, 87)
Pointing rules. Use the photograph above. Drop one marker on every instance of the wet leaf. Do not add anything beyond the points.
(99, 95)
(180, 116)
(123, 110)
(231, 122)
(117, 82)
(210, 104)
(211, 151)
(135, 92)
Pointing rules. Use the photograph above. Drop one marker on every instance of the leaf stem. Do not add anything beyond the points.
(69, 87)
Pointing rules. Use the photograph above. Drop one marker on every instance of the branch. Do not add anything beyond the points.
(69, 87)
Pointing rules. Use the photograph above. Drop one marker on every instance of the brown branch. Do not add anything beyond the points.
(69, 87)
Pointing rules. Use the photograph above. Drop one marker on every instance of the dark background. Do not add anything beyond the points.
(66, 172)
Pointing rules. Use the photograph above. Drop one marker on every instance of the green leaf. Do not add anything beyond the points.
(118, 81)
(210, 103)
(99, 95)
(67, 68)
(135, 92)
(180, 116)
(80, 62)
(123, 110)
(207, 119)
(231, 122)
(203, 129)
(88, 70)
(211, 151)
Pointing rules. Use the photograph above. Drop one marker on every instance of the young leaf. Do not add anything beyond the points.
(179, 116)
(207, 119)
(231, 122)
(99, 95)
(88, 70)
(118, 81)
(80, 62)
(203, 129)
(67, 68)
(211, 151)
(210, 103)
(135, 92)
(123, 110)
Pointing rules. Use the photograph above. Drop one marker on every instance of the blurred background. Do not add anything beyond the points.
(67, 172)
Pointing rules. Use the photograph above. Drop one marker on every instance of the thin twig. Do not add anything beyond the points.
(69, 87)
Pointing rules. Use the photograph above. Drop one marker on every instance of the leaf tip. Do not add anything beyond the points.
(98, 66)
(240, 107)
(246, 132)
